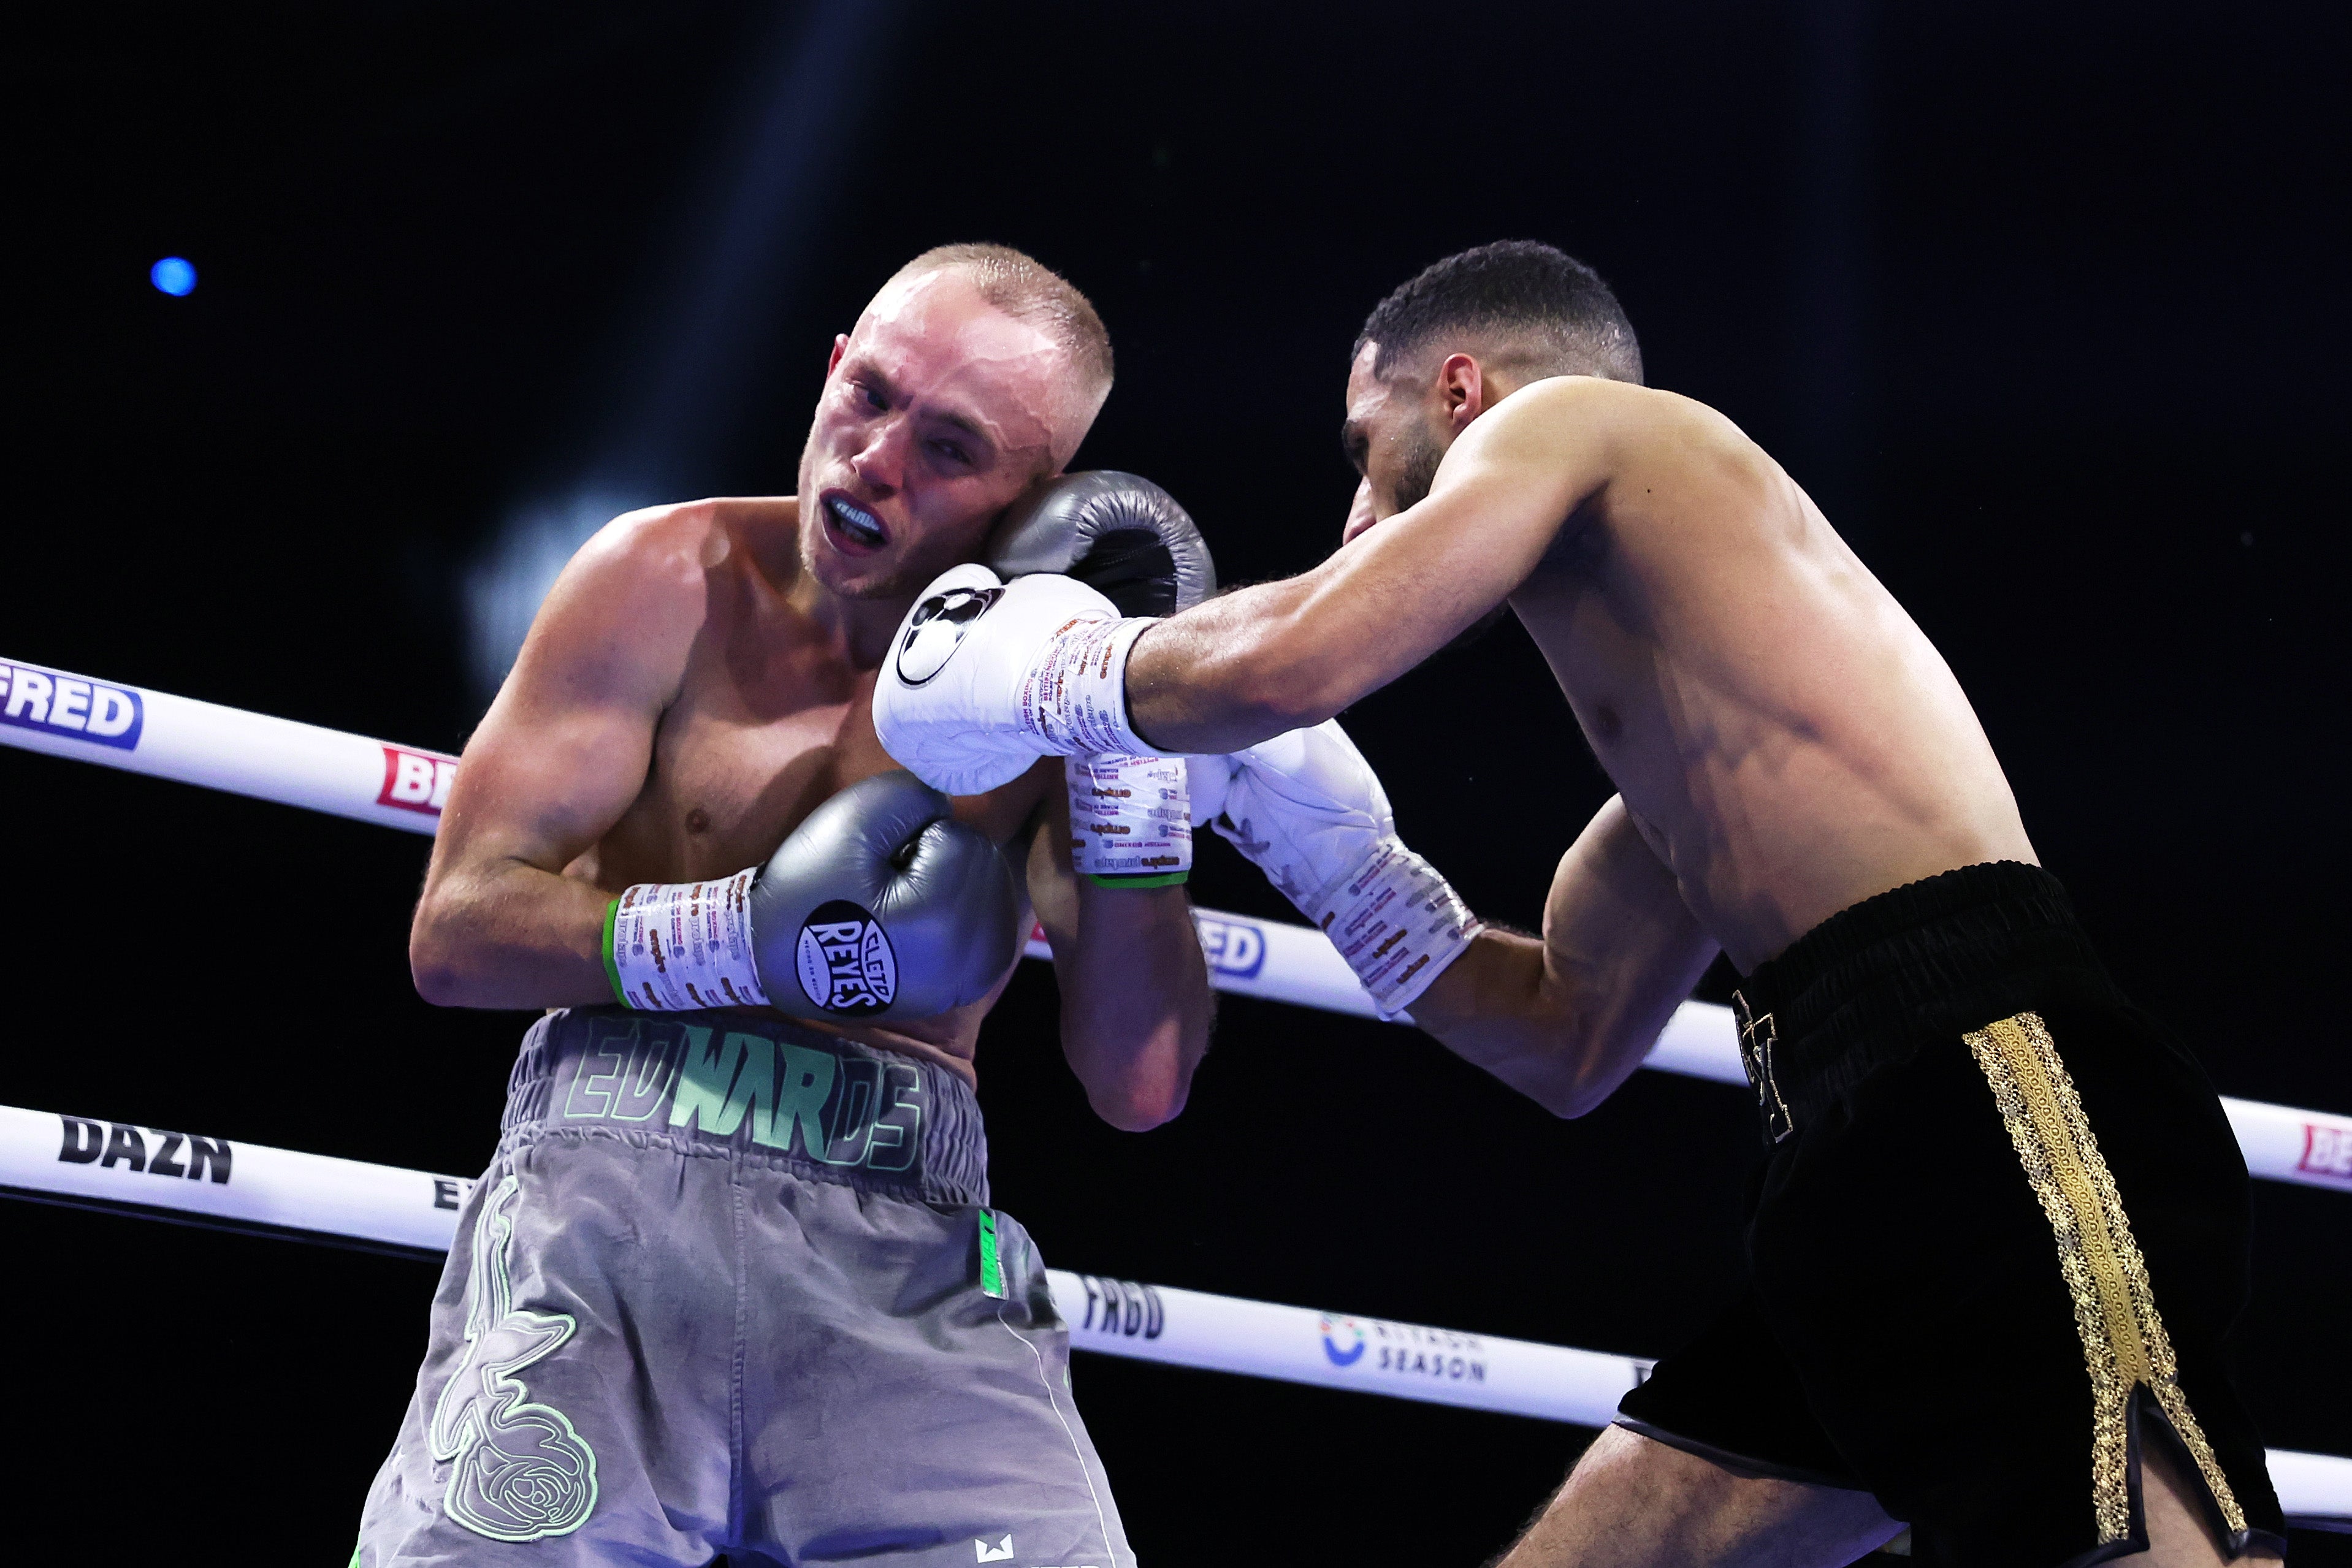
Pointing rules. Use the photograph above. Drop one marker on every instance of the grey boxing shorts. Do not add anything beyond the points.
(730, 1288)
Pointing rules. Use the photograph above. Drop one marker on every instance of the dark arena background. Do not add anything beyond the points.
(2046, 305)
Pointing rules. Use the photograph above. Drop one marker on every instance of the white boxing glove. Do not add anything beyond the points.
(983, 677)
(1309, 811)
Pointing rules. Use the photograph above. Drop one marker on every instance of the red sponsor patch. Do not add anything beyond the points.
(2326, 1150)
(415, 780)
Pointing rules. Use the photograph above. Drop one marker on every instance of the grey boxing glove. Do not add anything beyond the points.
(1119, 533)
(880, 906)
(1129, 539)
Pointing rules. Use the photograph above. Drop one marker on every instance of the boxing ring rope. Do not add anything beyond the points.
(142, 731)
(84, 1162)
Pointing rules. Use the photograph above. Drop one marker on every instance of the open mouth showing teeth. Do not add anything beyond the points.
(855, 524)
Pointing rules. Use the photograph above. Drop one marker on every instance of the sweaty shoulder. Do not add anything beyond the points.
(1610, 435)
(632, 601)
(656, 552)
(1582, 409)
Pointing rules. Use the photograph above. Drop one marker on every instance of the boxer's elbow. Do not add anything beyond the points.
(1549, 1079)
(1572, 1097)
(439, 977)
(1148, 1091)
(440, 954)
(1133, 1109)
(1591, 1066)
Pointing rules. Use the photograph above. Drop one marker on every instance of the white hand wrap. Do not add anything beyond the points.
(1399, 923)
(1130, 820)
(1309, 811)
(1074, 697)
(680, 946)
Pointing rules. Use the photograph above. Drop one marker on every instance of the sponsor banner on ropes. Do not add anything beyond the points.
(74, 707)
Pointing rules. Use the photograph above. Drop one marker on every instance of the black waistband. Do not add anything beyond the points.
(754, 1085)
(1931, 960)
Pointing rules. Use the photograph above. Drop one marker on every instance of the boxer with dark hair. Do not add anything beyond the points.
(2003, 1229)
(731, 1286)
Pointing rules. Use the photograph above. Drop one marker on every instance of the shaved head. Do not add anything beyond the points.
(1029, 291)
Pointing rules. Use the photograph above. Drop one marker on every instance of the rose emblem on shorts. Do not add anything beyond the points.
(519, 1470)
(845, 960)
(936, 631)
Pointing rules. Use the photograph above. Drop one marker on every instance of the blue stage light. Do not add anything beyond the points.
(173, 275)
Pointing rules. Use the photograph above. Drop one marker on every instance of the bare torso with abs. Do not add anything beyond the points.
(1786, 739)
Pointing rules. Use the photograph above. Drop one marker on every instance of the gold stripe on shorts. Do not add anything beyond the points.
(2124, 1341)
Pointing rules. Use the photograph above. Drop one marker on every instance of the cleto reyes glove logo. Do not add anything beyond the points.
(936, 631)
(845, 960)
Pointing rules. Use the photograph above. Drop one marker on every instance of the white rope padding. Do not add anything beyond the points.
(131, 727)
(84, 1162)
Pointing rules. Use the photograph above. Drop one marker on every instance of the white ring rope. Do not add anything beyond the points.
(130, 727)
(115, 1165)
(87, 1163)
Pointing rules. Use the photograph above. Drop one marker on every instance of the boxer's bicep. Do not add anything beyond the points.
(561, 754)
(1287, 654)
(566, 746)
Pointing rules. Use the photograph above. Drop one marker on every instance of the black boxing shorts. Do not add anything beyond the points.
(1998, 1241)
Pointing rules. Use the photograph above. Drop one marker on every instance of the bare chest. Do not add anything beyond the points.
(761, 732)
(768, 719)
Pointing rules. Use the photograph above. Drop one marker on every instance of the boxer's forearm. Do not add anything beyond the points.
(1136, 1004)
(509, 935)
(1283, 655)
(1566, 1041)
(1232, 673)
(1498, 1007)
(1566, 1020)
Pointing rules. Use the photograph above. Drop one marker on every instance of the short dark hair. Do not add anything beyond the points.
(1548, 309)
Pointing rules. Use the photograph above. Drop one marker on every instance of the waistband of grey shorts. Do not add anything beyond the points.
(752, 1086)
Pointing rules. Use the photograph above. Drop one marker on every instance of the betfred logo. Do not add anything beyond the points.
(2326, 1150)
(1233, 948)
(1122, 1307)
(53, 703)
(416, 780)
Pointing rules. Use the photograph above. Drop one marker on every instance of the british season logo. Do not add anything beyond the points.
(1405, 1350)
(1343, 1339)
